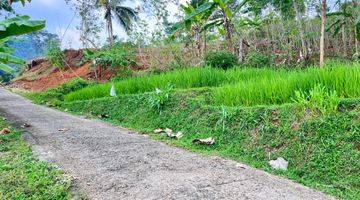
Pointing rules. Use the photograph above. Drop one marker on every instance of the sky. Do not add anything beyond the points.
(60, 17)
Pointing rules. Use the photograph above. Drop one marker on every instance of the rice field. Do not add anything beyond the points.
(240, 87)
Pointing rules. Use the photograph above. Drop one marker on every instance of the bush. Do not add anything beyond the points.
(71, 86)
(221, 59)
(258, 60)
(118, 56)
(54, 54)
(318, 99)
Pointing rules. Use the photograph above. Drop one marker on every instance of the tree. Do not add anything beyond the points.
(322, 37)
(218, 12)
(347, 15)
(90, 25)
(125, 15)
(13, 27)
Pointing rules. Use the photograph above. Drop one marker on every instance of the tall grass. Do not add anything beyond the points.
(240, 86)
(281, 89)
(189, 78)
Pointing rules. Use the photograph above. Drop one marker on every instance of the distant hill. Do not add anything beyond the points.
(32, 45)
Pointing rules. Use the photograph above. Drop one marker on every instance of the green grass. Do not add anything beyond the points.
(181, 79)
(323, 153)
(281, 89)
(245, 87)
(24, 177)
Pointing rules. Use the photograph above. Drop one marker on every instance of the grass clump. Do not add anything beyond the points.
(24, 177)
(221, 59)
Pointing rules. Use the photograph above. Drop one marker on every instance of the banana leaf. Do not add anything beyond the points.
(19, 25)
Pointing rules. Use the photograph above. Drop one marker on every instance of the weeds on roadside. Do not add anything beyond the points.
(161, 97)
(318, 100)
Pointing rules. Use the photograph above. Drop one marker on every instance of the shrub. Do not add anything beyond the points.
(161, 97)
(71, 86)
(318, 99)
(258, 60)
(118, 56)
(54, 54)
(221, 59)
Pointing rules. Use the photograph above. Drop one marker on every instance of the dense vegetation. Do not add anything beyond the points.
(23, 176)
(315, 126)
(240, 86)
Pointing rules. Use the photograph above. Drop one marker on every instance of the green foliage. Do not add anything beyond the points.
(55, 55)
(322, 151)
(280, 88)
(11, 27)
(19, 25)
(120, 57)
(23, 176)
(258, 60)
(221, 59)
(159, 99)
(318, 99)
(53, 97)
(245, 87)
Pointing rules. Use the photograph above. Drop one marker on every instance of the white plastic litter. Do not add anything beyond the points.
(113, 91)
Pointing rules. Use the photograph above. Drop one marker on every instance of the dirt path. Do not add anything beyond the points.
(112, 163)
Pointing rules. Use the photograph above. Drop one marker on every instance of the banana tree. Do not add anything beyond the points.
(195, 25)
(348, 15)
(220, 13)
(13, 27)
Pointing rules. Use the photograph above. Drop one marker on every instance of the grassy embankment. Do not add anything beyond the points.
(22, 176)
(323, 148)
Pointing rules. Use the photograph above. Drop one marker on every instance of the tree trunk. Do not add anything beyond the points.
(109, 25)
(356, 43)
(322, 37)
(344, 42)
(205, 43)
(302, 31)
(241, 49)
(229, 31)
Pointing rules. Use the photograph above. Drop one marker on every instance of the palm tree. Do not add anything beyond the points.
(125, 15)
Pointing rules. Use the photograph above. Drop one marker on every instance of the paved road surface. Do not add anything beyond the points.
(111, 163)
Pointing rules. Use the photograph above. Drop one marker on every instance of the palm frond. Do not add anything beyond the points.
(126, 16)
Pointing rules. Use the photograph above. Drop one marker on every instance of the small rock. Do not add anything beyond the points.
(25, 125)
(5, 131)
(207, 141)
(63, 129)
(242, 166)
(279, 163)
